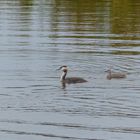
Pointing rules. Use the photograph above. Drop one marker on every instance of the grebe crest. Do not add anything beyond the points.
(116, 75)
(69, 80)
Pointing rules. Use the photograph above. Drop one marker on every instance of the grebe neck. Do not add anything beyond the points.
(63, 76)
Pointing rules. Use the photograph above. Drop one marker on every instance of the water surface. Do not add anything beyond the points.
(39, 36)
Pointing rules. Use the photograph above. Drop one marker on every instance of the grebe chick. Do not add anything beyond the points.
(116, 75)
(69, 80)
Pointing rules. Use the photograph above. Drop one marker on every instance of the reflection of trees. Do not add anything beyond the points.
(125, 16)
(26, 2)
(80, 14)
(25, 6)
(94, 15)
(23, 17)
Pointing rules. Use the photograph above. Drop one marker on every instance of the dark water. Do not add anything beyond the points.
(36, 37)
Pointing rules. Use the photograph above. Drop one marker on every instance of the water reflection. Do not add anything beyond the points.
(96, 24)
(27, 4)
(63, 85)
(78, 16)
(123, 17)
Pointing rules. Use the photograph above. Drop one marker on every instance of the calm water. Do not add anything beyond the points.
(36, 37)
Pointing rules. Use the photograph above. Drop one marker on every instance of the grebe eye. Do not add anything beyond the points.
(65, 70)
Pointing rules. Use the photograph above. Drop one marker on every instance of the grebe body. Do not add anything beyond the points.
(116, 75)
(69, 80)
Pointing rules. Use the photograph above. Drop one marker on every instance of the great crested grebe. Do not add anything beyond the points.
(69, 80)
(116, 75)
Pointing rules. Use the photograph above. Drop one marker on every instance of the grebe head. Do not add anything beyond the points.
(63, 68)
(64, 72)
(108, 71)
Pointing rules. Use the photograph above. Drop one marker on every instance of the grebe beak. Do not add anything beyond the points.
(58, 69)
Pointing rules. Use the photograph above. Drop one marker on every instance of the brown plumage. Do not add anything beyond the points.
(116, 75)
